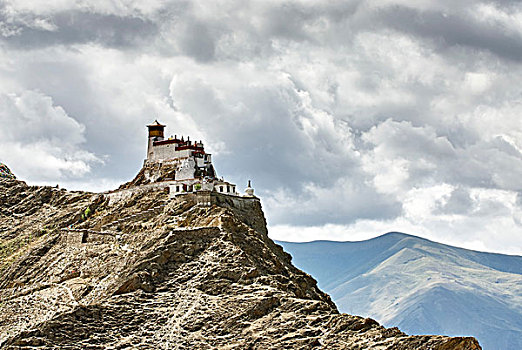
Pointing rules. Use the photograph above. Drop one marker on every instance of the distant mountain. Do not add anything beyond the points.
(420, 286)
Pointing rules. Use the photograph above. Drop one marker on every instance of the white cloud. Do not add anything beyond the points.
(493, 225)
(477, 83)
(506, 19)
(49, 7)
(39, 140)
(351, 117)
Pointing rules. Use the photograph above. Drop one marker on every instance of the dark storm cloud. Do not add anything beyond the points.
(77, 27)
(340, 111)
(286, 20)
(198, 41)
(330, 23)
(453, 30)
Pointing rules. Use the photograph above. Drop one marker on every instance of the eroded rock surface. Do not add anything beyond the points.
(143, 272)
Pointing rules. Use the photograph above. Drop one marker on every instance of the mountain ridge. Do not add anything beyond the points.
(416, 284)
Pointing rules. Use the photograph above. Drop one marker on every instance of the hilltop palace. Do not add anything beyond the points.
(183, 166)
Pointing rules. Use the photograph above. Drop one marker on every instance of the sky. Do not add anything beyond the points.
(351, 118)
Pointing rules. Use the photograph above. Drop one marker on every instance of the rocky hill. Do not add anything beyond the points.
(135, 270)
(5, 172)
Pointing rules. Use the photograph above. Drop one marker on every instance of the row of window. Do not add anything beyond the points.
(222, 188)
(228, 188)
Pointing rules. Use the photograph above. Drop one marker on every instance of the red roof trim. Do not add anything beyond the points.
(193, 147)
(166, 142)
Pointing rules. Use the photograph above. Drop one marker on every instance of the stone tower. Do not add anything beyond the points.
(156, 133)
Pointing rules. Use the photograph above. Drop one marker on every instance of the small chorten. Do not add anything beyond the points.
(249, 191)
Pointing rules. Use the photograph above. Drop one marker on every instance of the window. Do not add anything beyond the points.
(221, 189)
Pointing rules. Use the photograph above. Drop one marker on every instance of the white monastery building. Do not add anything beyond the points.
(184, 164)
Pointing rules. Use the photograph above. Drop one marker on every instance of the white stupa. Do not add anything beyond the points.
(249, 191)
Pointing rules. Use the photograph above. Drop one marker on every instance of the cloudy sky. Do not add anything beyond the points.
(352, 118)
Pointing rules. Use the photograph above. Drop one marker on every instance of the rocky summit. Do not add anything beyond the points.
(137, 270)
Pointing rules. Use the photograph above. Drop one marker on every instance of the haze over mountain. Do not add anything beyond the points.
(423, 287)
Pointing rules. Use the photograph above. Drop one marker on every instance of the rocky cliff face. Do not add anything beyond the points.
(89, 271)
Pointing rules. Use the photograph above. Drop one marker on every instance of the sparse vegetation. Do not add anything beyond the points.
(11, 248)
